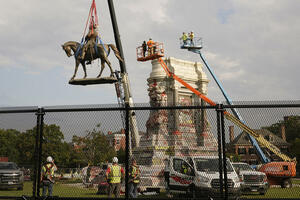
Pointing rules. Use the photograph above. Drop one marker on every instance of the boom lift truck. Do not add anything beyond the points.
(278, 173)
(278, 176)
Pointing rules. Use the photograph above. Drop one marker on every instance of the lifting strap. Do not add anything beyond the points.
(91, 20)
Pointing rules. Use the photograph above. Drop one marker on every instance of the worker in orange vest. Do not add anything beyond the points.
(151, 46)
(191, 37)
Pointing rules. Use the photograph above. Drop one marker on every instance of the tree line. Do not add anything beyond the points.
(292, 130)
(93, 148)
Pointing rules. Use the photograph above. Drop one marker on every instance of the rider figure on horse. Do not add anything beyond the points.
(90, 40)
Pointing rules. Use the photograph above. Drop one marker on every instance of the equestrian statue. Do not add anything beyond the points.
(91, 50)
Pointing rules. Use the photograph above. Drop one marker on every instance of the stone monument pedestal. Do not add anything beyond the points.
(175, 132)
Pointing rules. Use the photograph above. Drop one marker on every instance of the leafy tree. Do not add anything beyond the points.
(8, 142)
(55, 146)
(292, 128)
(26, 147)
(93, 148)
(233, 157)
(292, 131)
(121, 154)
(77, 155)
(20, 147)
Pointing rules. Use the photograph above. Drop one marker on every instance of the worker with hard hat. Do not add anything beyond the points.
(134, 178)
(114, 174)
(151, 46)
(47, 176)
(191, 37)
(184, 38)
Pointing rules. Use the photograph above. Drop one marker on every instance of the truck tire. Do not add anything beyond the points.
(191, 192)
(157, 190)
(287, 183)
(262, 192)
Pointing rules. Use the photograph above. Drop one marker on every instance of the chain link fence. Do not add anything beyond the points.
(182, 151)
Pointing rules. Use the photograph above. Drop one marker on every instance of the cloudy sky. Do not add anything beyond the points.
(252, 46)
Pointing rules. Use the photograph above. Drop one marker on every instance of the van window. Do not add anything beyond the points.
(181, 166)
(242, 167)
(210, 164)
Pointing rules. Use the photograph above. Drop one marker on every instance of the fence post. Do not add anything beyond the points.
(219, 110)
(41, 114)
(127, 149)
(36, 153)
(224, 151)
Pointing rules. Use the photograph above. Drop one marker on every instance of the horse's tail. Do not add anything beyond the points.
(116, 52)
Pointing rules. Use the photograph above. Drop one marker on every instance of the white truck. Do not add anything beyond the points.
(252, 181)
(11, 176)
(198, 176)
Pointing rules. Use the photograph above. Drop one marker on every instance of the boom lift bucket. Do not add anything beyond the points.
(156, 52)
(188, 44)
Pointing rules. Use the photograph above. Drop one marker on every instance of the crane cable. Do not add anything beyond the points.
(91, 17)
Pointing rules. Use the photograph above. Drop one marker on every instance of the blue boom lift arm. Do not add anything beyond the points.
(198, 44)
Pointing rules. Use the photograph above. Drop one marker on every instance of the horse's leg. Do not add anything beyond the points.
(109, 65)
(102, 67)
(84, 69)
(76, 68)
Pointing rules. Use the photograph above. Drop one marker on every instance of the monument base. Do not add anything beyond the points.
(92, 81)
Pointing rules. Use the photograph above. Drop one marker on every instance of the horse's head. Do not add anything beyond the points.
(67, 49)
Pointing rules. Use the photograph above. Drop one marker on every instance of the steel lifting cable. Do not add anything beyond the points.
(91, 20)
(78, 50)
(94, 9)
(88, 19)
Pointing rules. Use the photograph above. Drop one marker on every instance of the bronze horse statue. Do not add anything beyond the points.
(90, 55)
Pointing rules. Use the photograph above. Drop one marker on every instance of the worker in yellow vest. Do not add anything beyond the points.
(114, 174)
(184, 38)
(134, 178)
(191, 37)
(47, 176)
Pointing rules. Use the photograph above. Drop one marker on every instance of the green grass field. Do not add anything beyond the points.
(63, 190)
(277, 193)
(60, 190)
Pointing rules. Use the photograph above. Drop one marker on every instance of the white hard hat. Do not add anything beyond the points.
(49, 159)
(115, 160)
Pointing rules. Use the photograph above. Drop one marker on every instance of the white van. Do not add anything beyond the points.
(198, 176)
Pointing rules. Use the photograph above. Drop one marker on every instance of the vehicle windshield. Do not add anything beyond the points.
(210, 164)
(4, 165)
(242, 167)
